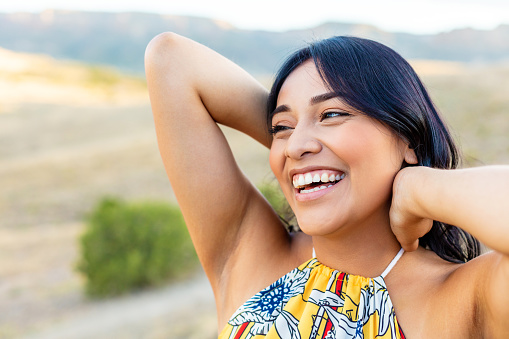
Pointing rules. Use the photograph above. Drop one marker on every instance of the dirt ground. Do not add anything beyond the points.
(65, 144)
(56, 162)
(42, 296)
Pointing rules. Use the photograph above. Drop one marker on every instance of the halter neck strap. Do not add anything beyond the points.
(392, 263)
(389, 267)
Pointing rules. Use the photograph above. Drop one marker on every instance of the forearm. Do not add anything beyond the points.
(177, 67)
(475, 199)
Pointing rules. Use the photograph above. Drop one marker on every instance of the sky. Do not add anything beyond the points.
(412, 16)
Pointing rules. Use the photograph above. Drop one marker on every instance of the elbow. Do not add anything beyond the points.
(162, 42)
(162, 50)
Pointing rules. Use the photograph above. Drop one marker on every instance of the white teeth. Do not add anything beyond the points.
(324, 178)
(308, 178)
(315, 189)
(300, 180)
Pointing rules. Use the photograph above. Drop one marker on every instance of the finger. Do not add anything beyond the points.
(411, 246)
(408, 235)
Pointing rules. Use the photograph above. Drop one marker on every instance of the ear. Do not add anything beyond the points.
(410, 157)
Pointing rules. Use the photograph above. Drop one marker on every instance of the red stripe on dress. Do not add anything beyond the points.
(401, 332)
(241, 330)
(328, 327)
(339, 286)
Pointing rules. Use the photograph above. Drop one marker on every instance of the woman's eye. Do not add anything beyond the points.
(333, 114)
(278, 128)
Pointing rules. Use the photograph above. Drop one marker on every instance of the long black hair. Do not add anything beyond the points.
(375, 80)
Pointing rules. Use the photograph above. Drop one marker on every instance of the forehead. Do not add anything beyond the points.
(303, 83)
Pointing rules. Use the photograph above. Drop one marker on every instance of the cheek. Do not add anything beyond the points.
(374, 159)
(375, 148)
(277, 160)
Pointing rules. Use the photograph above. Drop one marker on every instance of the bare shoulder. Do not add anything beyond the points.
(250, 271)
(483, 293)
(490, 273)
(242, 279)
(430, 293)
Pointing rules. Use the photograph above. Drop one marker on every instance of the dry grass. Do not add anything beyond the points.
(476, 105)
(58, 157)
(39, 79)
(71, 134)
(37, 283)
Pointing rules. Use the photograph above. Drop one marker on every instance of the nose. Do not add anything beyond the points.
(302, 142)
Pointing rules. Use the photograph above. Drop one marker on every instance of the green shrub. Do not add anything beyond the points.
(135, 245)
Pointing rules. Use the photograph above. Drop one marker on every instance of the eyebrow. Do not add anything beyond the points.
(279, 109)
(323, 97)
(313, 101)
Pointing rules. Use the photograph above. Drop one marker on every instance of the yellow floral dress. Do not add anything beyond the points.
(314, 301)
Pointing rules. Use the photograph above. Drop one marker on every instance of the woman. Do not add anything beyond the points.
(353, 138)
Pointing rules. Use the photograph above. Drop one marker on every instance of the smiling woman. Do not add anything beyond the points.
(367, 166)
(325, 134)
(374, 82)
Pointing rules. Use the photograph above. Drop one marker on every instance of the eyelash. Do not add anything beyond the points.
(277, 128)
(324, 115)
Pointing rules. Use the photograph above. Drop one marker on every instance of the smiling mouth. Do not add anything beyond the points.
(316, 180)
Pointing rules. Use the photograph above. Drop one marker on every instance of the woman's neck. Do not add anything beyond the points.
(364, 251)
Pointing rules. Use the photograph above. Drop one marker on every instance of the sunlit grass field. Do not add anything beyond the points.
(71, 134)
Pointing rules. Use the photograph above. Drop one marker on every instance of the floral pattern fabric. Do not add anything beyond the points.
(316, 302)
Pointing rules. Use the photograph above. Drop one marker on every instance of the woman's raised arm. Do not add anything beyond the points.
(477, 200)
(179, 71)
(232, 226)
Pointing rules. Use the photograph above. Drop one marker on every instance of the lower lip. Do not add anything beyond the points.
(314, 195)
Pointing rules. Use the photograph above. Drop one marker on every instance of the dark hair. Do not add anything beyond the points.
(377, 81)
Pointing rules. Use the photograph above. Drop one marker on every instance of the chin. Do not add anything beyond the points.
(314, 226)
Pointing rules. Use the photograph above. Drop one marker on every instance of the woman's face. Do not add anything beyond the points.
(336, 166)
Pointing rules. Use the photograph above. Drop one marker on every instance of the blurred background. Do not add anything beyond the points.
(76, 128)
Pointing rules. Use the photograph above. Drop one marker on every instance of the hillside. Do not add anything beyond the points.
(119, 39)
(71, 133)
(28, 78)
